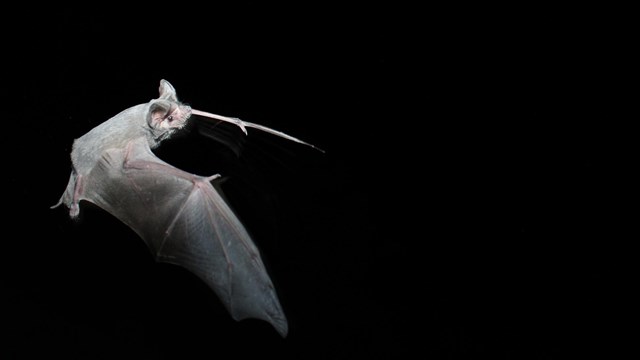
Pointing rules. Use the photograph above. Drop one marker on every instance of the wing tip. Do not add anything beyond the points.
(277, 321)
(281, 326)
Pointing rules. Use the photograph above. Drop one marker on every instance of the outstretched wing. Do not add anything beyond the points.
(185, 221)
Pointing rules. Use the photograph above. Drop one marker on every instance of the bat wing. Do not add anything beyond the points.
(184, 221)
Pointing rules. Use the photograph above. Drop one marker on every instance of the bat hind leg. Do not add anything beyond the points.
(74, 207)
(72, 194)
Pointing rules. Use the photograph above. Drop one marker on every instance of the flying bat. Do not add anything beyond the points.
(180, 216)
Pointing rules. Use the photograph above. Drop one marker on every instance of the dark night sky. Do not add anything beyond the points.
(464, 208)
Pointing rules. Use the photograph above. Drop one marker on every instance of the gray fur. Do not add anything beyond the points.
(180, 216)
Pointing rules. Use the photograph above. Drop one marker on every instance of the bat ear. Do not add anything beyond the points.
(167, 91)
(157, 110)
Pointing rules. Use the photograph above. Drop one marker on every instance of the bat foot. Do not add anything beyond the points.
(74, 210)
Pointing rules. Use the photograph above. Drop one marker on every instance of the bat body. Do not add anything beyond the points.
(180, 216)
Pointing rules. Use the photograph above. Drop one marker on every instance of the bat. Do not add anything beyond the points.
(180, 216)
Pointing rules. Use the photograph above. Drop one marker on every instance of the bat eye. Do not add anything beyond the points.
(170, 117)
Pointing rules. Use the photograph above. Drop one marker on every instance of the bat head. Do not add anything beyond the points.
(166, 113)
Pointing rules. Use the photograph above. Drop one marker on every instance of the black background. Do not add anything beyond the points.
(467, 205)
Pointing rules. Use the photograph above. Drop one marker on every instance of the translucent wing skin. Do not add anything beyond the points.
(180, 216)
(184, 221)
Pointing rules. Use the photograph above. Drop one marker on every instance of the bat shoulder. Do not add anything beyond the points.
(116, 134)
